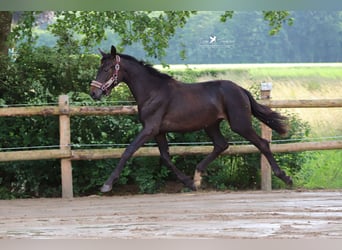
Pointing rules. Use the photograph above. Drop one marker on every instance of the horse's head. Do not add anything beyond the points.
(107, 75)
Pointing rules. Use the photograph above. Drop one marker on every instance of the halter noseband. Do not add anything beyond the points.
(112, 81)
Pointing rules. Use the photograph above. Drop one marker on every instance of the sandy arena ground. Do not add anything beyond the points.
(225, 215)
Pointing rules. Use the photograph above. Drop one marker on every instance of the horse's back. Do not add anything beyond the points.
(219, 92)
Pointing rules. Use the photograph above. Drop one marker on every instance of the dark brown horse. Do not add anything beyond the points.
(167, 105)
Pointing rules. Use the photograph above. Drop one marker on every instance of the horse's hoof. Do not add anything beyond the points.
(288, 181)
(106, 188)
(190, 184)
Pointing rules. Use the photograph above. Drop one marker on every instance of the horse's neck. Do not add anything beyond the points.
(141, 83)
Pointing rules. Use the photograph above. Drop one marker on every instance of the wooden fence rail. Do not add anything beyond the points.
(114, 153)
(131, 110)
(64, 110)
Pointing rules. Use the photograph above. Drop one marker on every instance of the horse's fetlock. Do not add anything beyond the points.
(197, 179)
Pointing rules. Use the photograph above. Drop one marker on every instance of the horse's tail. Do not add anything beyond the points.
(271, 118)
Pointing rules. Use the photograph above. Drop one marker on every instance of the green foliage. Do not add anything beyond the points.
(226, 15)
(30, 179)
(234, 172)
(88, 176)
(22, 33)
(149, 174)
(31, 79)
(152, 29)
(322, 169)
(276, 20)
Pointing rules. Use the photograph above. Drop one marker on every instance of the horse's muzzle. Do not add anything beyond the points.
(96, 93)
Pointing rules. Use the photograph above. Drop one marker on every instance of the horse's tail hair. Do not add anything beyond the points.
(269, 117)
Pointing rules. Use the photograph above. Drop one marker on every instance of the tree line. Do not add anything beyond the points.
(314, 36)
(311, 36)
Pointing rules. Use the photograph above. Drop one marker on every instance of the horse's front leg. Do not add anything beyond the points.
(142, 137)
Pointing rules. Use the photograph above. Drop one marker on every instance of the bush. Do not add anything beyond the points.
(31, 79)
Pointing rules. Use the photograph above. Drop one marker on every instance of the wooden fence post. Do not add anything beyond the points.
(64, 133)
(266, 133)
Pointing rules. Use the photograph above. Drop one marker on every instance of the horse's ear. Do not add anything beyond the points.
(102, 53)
(113, 51)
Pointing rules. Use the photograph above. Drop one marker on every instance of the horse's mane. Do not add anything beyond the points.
(148, 67)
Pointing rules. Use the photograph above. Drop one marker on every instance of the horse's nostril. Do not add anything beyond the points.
(94, 95)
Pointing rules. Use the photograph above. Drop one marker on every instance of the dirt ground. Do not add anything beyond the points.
(253, 214)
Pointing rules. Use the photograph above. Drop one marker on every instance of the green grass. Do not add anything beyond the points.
(298, 72)
(322, 170)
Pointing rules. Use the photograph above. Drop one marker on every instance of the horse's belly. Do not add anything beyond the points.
(190, 121)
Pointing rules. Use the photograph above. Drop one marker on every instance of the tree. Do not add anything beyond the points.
(153, 29)
(5, 29)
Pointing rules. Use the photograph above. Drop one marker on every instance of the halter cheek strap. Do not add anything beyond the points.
(105, 87)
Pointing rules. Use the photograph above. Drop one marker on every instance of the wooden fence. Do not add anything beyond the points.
(67, 155)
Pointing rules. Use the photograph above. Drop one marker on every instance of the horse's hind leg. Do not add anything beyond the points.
(245, 129)
(165, 156)
(264, 147)
(220, 145)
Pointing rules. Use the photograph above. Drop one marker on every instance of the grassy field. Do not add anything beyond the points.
(322, 169)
